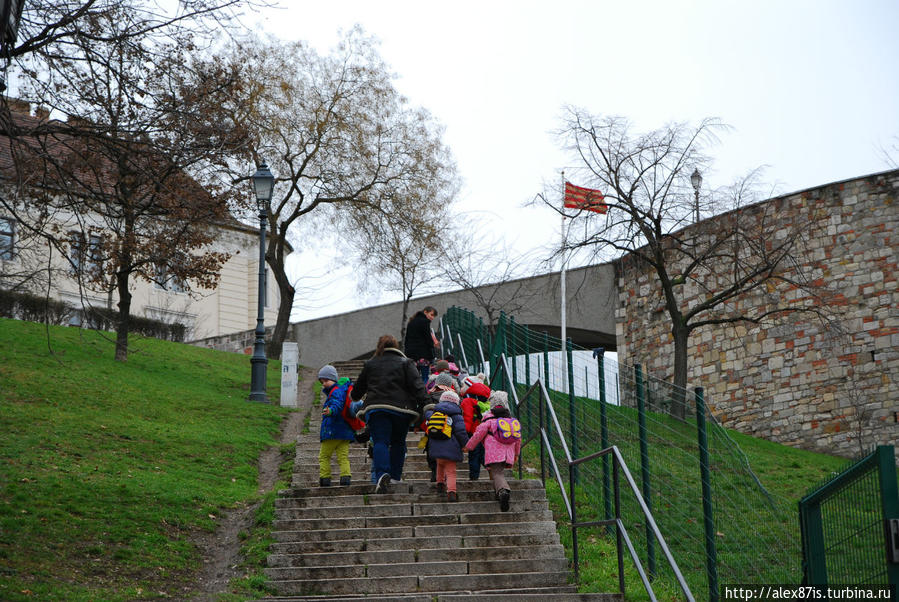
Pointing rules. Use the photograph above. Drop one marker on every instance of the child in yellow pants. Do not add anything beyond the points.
(335, 434)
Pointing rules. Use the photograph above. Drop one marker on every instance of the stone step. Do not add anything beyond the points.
(348, 496)
(418, 531)
(459, 566)
(426, 583)
(536, 594)
(405, 488)
(450, 542)
(407, 556)
(286, 522)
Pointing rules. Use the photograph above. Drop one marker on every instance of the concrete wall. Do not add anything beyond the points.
(533, 301)
(797, 381)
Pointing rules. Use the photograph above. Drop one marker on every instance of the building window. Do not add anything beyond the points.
(7, 238)
(167, 281)
(86, 258)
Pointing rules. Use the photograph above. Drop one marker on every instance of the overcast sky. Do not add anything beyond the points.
(810, 88)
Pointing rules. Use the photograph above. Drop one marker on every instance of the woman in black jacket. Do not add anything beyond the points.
(393, 392)
(420, 342)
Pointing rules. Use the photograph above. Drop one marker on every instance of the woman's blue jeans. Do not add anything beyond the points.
(388, 435)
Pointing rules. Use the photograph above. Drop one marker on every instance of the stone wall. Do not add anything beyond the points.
(236, 342)
(825, 386)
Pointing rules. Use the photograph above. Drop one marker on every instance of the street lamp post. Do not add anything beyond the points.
(263, 183)
(696, 181)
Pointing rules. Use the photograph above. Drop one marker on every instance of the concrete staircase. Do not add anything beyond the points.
(349, 543)
(350, 368)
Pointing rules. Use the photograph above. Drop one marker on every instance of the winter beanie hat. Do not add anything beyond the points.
(441, 366)
(450, 396)
(445, 379)
(329, 372)
(499, 398)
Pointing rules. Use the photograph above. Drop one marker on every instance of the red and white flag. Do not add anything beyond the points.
(584, 198)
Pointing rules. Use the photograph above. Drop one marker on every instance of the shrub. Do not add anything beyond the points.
(34, 308)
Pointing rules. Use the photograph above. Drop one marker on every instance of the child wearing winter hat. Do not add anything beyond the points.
(335, 434)
(447, 451)
(474, 404)
(442, 383)
(501, 436)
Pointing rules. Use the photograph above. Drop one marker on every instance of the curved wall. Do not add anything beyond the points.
(827, 388)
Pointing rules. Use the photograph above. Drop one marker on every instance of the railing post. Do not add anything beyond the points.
(546, 379)
(889, 503)
(482, 336)
(599, 354)
(711, 555)
(619, 543)
(514, 354)
(644, 467)
(527, 357)
(572, 480)
(549, 400)
(572, 408)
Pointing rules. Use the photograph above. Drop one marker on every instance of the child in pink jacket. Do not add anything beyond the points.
(502, 444)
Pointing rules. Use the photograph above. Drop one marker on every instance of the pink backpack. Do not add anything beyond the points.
(506, 430)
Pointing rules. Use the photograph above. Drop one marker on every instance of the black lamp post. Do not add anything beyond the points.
(696, 181)
(263, 183)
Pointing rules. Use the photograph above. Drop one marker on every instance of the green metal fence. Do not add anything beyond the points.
(850, 525)
(722, 525)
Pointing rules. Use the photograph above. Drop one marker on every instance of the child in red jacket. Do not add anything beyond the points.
(473, 406)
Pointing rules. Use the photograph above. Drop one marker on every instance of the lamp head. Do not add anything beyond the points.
(263, 184)
(696, 179)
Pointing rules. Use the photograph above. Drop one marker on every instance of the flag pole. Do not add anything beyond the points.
(562, 279)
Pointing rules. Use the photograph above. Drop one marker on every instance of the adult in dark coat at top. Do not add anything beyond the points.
(393, 392)
(420, 344)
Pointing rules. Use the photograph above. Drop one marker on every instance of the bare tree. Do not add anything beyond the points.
(492, 274)
(704, 271)
(398, 252)
(333, 129)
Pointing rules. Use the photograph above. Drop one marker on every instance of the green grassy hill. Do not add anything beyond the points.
(107, 469)
(756, 486)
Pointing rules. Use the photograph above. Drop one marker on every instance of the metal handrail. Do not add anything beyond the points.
(618, 464)
(462, 349)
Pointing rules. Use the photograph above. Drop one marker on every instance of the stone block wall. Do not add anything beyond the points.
(826, 386)
(235, 342)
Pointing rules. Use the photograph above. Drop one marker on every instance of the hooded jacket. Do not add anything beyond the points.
(334, 426)
(448, 449)
(390, 382)
(494, 451)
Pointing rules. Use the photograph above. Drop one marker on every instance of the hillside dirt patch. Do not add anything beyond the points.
(221, 550)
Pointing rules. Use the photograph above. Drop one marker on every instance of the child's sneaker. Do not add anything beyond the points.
(324, 482)
(441, 487)
(346, 481)
(452, 497)
(383, 484)
(504, 495)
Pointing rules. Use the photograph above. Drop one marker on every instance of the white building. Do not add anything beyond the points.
(28, 264)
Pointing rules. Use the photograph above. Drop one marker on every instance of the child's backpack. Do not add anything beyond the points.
(507, 430)
(355, 423)
(439, 426)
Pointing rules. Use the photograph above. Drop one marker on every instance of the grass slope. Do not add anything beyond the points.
(106, 468)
